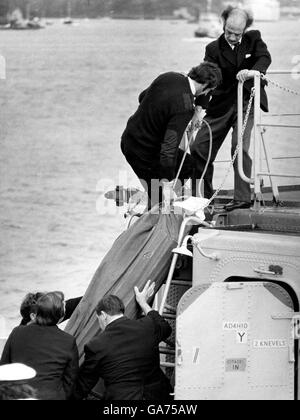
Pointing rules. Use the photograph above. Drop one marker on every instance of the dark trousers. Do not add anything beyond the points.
(220, 127)
(149, 174)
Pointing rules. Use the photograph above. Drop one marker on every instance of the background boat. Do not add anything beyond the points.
(209, 25)
(16, 21)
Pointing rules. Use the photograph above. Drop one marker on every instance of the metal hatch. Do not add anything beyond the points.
(235, 341)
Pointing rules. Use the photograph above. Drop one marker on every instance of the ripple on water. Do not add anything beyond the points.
(61, 244)
(13, 226)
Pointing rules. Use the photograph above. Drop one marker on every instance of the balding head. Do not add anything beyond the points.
(236, 21)
(237, 18)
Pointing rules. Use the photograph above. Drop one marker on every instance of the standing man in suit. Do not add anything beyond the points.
(126, 355)
(153, 134)
(237, 52)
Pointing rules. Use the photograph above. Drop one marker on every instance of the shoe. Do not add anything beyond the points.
(236, 204)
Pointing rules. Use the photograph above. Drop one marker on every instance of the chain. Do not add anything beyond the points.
(276, 84)
(237, 147)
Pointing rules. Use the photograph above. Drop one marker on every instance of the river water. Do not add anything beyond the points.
(68, 93)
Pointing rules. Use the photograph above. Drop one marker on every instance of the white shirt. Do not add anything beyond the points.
(192, 86)
(232, 46)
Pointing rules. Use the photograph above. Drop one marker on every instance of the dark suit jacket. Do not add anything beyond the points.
(154, 132)
(252, 54)
(51, 352)
(126, 356)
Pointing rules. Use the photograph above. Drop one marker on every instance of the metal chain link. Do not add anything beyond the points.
(276, 84)
(237, 147)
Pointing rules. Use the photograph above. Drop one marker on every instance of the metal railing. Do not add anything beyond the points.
(258, 137)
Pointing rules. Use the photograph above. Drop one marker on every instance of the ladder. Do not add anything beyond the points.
(174, 289)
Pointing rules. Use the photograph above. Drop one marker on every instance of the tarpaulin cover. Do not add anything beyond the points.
(141, 253)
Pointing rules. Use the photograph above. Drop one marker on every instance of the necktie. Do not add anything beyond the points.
(235, 51)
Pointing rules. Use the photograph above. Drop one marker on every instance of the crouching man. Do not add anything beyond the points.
(126, 353)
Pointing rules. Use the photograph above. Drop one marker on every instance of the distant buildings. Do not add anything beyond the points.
(262, 9)
(290, 8)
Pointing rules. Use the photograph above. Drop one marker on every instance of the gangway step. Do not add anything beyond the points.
(167, 350)
(170, 309)
(167, 315)
(167, 364)
(185, 283)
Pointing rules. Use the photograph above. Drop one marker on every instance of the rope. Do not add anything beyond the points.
(190, 130)
(208, 159)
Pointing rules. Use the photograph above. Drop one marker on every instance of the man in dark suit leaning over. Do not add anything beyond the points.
(126, 355)
(237, 52)
(151, 139)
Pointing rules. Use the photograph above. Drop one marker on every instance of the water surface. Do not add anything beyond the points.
(68, 94)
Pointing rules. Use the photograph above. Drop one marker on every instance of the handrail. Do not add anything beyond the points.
(183, 226)
(240, 125)
(285, 157)
(257, 133)
(283, 72)
(279, 125)
(273, 158)
(278, 175)
(240, 140)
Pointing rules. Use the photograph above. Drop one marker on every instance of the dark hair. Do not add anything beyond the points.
(16, 391)
(28, 306)
(206, 73)
(110, 304)
(230, 10)
(50, 308)
(59, 294)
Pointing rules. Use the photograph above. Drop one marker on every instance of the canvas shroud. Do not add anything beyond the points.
(141, 253)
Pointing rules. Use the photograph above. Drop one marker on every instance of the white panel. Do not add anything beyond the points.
(216, 362)
(201, 335)
(272, 339)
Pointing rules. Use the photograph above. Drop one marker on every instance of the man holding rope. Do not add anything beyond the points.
(153, 134)
(237, 52)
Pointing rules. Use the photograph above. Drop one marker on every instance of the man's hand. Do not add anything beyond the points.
(143, 296)
(137, 203)
(244, 75)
